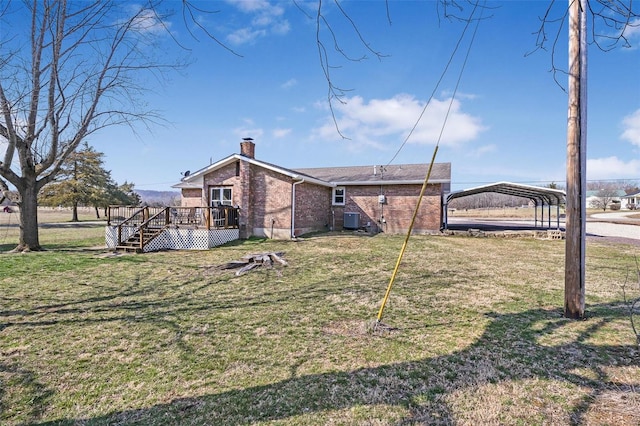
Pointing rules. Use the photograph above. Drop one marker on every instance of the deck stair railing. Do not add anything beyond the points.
(144, 233)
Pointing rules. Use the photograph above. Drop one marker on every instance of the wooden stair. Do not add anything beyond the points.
(132, 244)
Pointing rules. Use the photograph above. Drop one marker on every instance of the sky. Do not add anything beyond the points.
(492, 105)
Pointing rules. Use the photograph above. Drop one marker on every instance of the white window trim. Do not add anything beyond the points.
(219, 189)
(333, 196)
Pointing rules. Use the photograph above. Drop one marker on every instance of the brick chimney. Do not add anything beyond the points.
(248, 148)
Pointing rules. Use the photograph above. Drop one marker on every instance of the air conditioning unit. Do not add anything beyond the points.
(351, 221)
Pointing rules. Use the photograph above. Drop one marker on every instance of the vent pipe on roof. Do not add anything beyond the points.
(375, 170)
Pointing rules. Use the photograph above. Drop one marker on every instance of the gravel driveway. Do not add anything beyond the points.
(614, 227)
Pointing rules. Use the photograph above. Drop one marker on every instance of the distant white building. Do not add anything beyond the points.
(631, 201)
(598, 199)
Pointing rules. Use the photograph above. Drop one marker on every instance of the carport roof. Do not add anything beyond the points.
(536, 193)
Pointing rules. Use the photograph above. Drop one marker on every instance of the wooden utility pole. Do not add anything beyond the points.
(574, 275)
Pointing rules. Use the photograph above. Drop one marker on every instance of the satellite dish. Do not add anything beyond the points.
(187, 173)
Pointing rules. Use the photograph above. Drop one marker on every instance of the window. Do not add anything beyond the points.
(221, 196)
(338, 196)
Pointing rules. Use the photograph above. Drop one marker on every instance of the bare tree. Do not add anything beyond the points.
(74, 70)
(604, 193)
(610, 24)
(603, 198)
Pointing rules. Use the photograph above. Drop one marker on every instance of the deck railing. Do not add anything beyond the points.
(198, 217)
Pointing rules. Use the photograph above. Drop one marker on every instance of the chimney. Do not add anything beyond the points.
(248, 148)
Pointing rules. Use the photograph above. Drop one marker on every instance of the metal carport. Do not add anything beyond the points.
(539, 195)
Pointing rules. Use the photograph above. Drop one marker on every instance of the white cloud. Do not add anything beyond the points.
(611, 168)
(631, 125)
(289, 83)
(482, 150)
(250, 6)
(244, 36)
(147, 21)
(248, 130)
(266, 18)
(392, 119)
(280, 133)
(632, 30)
(281, 27)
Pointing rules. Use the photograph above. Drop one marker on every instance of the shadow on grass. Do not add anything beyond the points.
(27, 383)
(530, 345)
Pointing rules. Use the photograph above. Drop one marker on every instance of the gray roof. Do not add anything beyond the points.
(332, 176)
(195, 180)
(401, 173)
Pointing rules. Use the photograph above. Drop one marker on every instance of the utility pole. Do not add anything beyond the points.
(574, 278)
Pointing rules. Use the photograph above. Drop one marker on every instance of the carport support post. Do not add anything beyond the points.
(574, 278)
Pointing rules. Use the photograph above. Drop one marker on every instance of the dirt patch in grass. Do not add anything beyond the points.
(349, 328)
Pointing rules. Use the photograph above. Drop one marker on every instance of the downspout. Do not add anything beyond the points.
(445, 213)
(293, 208)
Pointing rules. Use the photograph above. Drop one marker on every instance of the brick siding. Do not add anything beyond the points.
(271, 204)
(313, 208)
(398, 208)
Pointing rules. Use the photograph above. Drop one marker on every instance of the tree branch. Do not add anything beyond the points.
(610, 21)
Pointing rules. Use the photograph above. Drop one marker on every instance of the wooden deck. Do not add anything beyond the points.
(144, 229)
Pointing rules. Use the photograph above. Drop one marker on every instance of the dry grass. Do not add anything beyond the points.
(501, 213)
(52, 215)
(56, 229)
(477, 336)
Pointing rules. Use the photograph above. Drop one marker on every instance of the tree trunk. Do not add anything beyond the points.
(74, 217)
(97, 212)
(29, 239)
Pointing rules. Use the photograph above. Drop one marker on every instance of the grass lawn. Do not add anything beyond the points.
(475, 335)
(57, 231)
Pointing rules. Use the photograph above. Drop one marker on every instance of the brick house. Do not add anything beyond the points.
(282, 203)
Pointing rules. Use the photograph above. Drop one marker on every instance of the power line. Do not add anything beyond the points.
(426, 179)
(442, 75)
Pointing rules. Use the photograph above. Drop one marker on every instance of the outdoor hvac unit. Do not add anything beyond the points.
(351, 221)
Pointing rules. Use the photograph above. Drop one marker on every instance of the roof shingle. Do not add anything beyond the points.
(441, 172)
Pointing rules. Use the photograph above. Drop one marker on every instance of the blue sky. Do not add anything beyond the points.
(507, 121)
